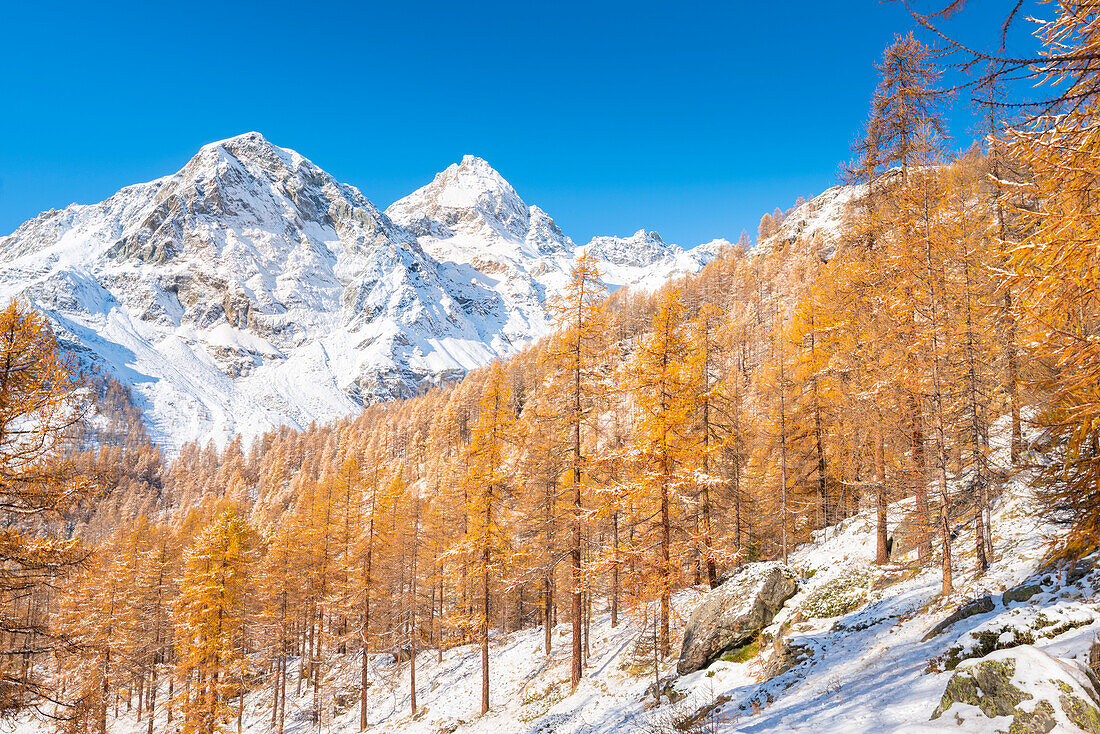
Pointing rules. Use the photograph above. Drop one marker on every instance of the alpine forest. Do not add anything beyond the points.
(911, 358)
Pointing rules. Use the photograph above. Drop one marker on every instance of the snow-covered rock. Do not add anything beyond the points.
(251, 289)
(1022, 690)
(1023, 625)
(819, 222)
(471, 219)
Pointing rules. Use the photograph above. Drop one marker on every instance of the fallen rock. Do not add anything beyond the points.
(1022, 625)
(1039, 692)
(789, 653)
(981, 605)
(1073, 569)
(1021, 593)
(735, 612)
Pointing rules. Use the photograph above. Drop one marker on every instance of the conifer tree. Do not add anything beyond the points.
(486, 481)
(577, 355)
(212, 619)
(1055, 266)
(42, 408)
(662, 385)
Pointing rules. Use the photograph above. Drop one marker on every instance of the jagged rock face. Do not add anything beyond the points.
(470, 217)
(640, 249)
(251, 289)
(817, 225)
(247, 290)
(470, 205)
(731, 615)
(635, 260)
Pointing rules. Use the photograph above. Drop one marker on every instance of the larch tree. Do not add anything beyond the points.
(486, 480)
(1055, 265)
(902, 135)
(577, 356)
(213, 615)
(662, 386)
(42, 409)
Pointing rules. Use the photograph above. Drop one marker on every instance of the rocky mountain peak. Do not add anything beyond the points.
(468, 197)
(641, 248)
(251, 289)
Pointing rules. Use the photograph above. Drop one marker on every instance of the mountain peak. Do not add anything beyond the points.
(249, 138)
(473, 182)
(644, 247)
(473, 161)
(287, 296)
(258, 156)
(468, 197)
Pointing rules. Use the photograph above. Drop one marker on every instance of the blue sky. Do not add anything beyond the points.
(689, 118)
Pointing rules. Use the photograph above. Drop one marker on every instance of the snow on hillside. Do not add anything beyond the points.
(863, 664)
(251, 289)
(817, 223)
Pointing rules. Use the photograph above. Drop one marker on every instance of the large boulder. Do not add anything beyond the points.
(1031, 690)
(733, 614)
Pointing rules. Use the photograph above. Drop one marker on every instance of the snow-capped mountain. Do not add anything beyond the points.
(251, 289)
(470, 215)
(470, 218)
(645, 261)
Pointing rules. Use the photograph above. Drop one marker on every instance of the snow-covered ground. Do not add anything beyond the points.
(868, 668)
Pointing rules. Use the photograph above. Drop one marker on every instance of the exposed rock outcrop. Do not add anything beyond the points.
(1039, 692)
(735, 612)
(981, 605)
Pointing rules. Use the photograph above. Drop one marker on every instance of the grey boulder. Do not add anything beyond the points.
(733, 614)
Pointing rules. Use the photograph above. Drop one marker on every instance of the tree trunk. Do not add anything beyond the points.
(615, 569)
(666, 569)
(577, 581)
(882, 554)
(920, 488)
(485, 633)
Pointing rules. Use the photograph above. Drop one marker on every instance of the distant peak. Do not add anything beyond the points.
(479, 168)
(253, 150)
(471, 161)
(249, 138)
(469, 184)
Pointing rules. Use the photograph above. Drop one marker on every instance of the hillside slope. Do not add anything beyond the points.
(864, 661)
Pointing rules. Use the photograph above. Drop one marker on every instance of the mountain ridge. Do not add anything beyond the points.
(252, 289)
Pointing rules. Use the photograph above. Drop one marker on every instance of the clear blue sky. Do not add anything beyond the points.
(689, 118)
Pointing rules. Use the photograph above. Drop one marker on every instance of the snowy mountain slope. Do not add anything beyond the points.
(867, 665)
(251, 289)
(470, 215)
(816, 223)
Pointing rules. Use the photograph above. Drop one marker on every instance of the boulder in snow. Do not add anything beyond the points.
(1020, 593)
(731, 615)
(981, 605)
(1026, 689)
(1094, 658)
